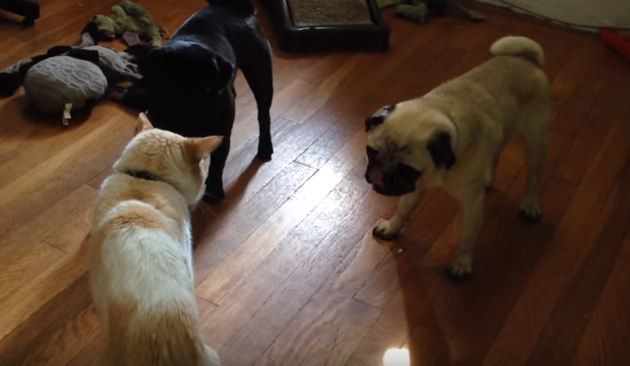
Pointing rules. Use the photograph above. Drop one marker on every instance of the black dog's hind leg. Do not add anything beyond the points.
(260, 80)
(214, 182)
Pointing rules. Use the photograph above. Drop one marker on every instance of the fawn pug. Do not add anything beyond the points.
(141, 274)
(453, 135)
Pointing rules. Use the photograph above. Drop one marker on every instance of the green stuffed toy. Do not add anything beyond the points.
(418, 10)
(130, 18)
(105, 26)
(414, 12)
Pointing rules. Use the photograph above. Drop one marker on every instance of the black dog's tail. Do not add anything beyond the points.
(245, 6)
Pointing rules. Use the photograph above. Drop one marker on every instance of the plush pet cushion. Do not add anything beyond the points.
(115, 65)
(54, 82)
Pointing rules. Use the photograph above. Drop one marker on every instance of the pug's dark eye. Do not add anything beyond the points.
(407, 173)
(371, 153)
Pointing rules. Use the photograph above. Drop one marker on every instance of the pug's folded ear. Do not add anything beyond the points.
(378, 117)
(441, 150)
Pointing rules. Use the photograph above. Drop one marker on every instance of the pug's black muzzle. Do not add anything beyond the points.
(394, 190)
(390, 185)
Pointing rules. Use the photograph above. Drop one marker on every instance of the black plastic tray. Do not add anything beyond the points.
(294, 38)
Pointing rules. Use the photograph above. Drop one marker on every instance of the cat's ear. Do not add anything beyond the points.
(144, 123)
(202, 146)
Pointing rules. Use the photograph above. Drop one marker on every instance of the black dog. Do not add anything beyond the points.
(188, 84)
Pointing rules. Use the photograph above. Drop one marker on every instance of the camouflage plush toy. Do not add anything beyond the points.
(131, 19)
(418, 10)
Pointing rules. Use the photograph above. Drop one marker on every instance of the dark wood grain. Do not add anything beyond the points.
(287, 270)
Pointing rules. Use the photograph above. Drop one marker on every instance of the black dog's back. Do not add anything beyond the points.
(230, 26)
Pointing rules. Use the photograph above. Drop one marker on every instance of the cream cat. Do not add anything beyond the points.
(141, 273)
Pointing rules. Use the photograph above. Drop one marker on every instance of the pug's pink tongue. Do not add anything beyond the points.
(377, 179)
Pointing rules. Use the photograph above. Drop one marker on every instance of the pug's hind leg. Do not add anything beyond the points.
(492, 168)
(530, 207)
(533, 130)
(389, 229)
(472, 215)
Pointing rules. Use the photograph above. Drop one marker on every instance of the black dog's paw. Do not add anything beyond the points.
(214, 194)
(264, 152)
(264, 155)
(212, 198)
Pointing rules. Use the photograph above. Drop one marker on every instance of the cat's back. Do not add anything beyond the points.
(141, 272)
(140, 239)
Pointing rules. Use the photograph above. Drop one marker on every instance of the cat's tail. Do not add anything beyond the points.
(520, 47)
(244, 6)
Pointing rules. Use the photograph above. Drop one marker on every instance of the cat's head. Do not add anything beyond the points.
(179, 161)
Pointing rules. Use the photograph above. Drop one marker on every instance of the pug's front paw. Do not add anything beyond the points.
(460, 269)
(530, 210)
(383, 229)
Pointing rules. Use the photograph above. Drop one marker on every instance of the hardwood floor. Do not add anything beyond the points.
(287, 270)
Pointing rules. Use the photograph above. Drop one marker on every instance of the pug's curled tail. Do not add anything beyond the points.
(520, 47)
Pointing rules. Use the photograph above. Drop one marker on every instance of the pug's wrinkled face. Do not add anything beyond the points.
(400, 150)
(388, 175)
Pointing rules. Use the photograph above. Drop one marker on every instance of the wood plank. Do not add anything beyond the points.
(472, 315)
(324, 291)
(262, 241)
(605, 338)
(246, 129)
(321, 93)
(27, 252)
(609, 108)
(565, 253)
(559, 339)
(571, 114)
(43, 286)
(62, 345)
(280, 273)
(432, 216)
(49, 319)
(392, 329)
(65, 170)
(53, 27)
(225, 237)
(316, 331)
